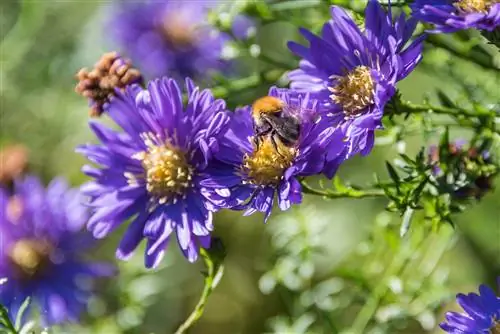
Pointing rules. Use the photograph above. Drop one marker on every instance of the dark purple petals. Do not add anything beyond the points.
(227, 185)
(54, 216)
(481, 313)
(157, 119)
(448, 18)
(384, 48)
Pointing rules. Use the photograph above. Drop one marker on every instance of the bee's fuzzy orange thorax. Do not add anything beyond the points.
(267, 104)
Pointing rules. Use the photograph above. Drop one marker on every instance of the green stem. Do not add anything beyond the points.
(464, 117)
(213, 275)
(417, 108)
(352, 193)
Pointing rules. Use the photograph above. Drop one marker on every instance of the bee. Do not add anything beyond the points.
(271, 120)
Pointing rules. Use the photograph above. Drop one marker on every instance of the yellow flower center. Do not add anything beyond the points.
(496, 327)
(167, 171)
(266, 166)
(353, 91)
(178, 32)
(475, 6)
(30, 257)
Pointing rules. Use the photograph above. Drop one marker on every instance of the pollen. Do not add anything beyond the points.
(266, 165)
(496, 326)
(353, 91)
(30, 257)
(166, 169)
(475, 6)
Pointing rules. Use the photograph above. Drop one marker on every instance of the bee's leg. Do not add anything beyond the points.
(275, 144)
(259, 133)
(256, 142)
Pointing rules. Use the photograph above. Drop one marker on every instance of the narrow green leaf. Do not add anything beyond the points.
(392, 173)
(20, 313)
(407, 159)
(444, 99)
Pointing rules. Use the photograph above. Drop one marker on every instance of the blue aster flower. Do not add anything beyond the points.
(482, 314)
(354, 73)
(247, 177)
(151, 172)
(169, 37)
(40, 250)
(453, 15)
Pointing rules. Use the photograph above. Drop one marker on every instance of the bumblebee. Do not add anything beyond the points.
(270, 120)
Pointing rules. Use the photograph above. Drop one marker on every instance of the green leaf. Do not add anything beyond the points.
(445, 100)
(392, 173)
(407, 159)
(20, 313)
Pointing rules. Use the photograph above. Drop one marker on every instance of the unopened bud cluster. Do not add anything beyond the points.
(99, 85)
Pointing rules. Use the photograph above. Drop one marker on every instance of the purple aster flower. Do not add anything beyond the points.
(249, 177)
(453, 15)
(40, 250)
(151, 171)
(482, 314)
(353, 73)
(168, 37)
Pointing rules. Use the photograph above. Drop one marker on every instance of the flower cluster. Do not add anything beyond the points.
(177, 155)
(41, 247)
(176, 163)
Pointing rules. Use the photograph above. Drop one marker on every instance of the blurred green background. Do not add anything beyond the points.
(313, 262)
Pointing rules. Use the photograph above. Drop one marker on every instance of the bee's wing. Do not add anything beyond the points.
(303, 114)
(287, 127)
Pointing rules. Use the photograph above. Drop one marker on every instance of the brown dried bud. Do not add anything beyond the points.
(99, 84)
(13, 163)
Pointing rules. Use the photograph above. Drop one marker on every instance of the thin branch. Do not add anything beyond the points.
(458, 50)
(351, 193)
(213, 275)
(455, 111)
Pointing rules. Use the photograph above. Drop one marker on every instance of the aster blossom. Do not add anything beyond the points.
(353, 73)
(168, 37)
(40, 250)
(453, 15)
(151, 172)
(247, 177)
(481, 316)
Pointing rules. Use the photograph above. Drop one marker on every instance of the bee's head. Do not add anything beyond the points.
(267, 104)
